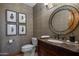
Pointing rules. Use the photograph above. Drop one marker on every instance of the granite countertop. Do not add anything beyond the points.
(70, 46)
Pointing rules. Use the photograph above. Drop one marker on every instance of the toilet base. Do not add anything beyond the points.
(30, 53)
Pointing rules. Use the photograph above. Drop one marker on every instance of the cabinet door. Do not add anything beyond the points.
(41, 51)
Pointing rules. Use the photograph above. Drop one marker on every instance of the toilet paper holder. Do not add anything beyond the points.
(10, 41)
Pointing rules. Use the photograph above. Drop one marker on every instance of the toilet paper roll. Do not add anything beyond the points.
(10, 41)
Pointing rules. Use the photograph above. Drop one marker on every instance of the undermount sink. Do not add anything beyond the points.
(55, 41)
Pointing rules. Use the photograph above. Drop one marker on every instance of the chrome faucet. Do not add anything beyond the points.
(57, 36)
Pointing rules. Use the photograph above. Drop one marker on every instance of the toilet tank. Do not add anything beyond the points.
(34, 41)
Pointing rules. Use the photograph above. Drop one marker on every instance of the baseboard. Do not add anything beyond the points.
(18, 53)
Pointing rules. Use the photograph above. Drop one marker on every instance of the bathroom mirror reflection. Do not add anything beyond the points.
(64, 19)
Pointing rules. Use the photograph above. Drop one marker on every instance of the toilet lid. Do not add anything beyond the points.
(28, 46)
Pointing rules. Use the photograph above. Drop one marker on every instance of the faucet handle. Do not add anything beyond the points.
(63, 38)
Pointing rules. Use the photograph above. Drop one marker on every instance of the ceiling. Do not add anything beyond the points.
(31, 4)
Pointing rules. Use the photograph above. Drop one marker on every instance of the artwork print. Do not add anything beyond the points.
(11, 29)
(22, 18)
(11, 16)
(22, 29)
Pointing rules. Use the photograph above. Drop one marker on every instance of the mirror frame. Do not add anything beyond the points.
(74, 23)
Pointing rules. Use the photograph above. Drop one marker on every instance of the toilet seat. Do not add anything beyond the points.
(27, 47)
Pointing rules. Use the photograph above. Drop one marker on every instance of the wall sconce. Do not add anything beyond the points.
(45, 4)
(49, 5)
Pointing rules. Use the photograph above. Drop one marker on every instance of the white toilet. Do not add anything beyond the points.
(29, 49)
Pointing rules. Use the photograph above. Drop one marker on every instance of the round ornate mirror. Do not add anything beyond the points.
(64, 19)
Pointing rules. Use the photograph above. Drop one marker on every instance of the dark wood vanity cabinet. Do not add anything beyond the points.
(46, 49)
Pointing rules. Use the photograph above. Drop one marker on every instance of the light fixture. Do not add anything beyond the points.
(49, 5)
(45, 3)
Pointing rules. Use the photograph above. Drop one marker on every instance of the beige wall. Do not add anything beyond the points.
(37, 25)
(18, 40)
(41, 17)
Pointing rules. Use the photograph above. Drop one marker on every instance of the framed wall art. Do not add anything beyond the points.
(22, 18)
(10, 16)
(11, 29)
(22, 29)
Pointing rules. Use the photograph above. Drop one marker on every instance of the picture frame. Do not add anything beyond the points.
(22, 18)
(22, 29)
(11, 16)
(11, 29)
